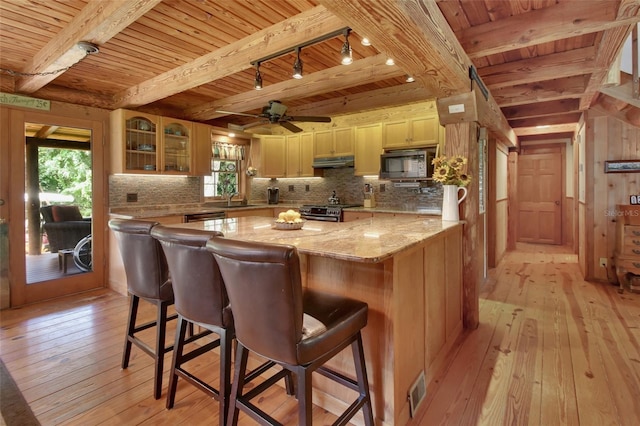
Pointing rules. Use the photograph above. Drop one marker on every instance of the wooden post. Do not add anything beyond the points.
(462, 139)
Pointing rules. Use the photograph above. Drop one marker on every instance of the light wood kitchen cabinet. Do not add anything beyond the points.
(150, 144)
(273, 156)
(267, 212)
(414, 132)
(368, 147)
(201, 149)
(349, 216)
(626, 257)
(299, 149)
(334, 143)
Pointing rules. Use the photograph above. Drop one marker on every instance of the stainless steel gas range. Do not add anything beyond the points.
(327, 213)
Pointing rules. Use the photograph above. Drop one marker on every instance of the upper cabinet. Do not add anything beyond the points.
(201, 149)
(414, 132)
(334, 143)
(273, 155)
(299, 148)
(368, 147)
(149, 144)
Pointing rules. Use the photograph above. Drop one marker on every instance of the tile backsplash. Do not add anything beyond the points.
(168, 190)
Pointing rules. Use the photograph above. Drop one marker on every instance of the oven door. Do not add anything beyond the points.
(320, 217)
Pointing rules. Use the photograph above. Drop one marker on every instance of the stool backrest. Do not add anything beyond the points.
(144, 262)
(199, 293)
(265, 291)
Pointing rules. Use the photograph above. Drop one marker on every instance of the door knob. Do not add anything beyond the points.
(557, 203)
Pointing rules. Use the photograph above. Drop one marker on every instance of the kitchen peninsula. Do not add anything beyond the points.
(408, 270)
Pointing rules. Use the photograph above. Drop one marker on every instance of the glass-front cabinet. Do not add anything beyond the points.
(176, 146)
(150, 144)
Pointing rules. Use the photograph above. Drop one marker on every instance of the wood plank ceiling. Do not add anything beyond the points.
(543, 61)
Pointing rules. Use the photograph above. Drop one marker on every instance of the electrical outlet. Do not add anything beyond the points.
(306, 188)
(132, 197)
(603, 262)
(291, 188)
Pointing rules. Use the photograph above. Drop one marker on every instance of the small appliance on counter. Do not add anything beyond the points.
(334, 200)
(369, 198)
(273, 195)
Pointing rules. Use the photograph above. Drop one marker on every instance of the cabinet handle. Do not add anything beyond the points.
(636, 242)
(636, 233)
(635, 251)
(636, 264)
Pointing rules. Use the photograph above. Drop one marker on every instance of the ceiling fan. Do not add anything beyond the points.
(274, 113)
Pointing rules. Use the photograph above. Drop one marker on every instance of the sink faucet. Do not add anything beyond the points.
(230, 196)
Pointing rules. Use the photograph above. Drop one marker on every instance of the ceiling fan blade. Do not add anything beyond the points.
(310, 119)
(238, 113)
(256, 123)
(290, 127)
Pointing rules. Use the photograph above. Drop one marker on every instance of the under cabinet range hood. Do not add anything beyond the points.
(333, 162)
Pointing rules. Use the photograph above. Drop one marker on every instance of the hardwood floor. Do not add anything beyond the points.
(551, 349)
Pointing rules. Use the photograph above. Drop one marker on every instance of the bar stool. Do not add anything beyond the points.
(200, 298)
(147, 279)
(297, 328)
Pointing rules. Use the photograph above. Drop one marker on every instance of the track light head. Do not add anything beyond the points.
(257, 83)
(345, 52)
(297, 65)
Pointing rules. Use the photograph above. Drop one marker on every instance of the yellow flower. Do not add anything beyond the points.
(449, 171)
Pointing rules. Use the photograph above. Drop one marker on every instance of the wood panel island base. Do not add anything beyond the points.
(408, 270)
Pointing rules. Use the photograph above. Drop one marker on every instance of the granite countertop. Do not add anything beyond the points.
(368, 240)
(435, 211)
(142, 212)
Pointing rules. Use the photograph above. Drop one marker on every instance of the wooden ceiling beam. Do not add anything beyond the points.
(541, 109)
(435, 58)
(557, 22)
(541, 68)
(551, 90)
(97, 23)
(551, 120)
(232, 58)
(340, 77)
(380, 98)
(541, 130)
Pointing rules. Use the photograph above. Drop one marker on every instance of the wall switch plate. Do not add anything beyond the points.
(382, 187)
(306, 188)
(132, 197)
(603, 262)
(291, 188)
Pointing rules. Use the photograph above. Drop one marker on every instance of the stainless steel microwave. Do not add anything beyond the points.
(405, 164)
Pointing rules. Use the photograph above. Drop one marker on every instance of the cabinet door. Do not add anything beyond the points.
(136, 142)
(343, 142)
(395, 134)
(176, 146)
(368, 147)
(323, 144)
(351, 216)
(424, 131)
(201, 149)
(306, 155)
(273, 150)
(293, 156)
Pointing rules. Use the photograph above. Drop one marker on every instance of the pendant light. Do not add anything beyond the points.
(257, 83)
(345, 53)
(297, 65)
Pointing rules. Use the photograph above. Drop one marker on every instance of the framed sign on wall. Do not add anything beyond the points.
(622, 166)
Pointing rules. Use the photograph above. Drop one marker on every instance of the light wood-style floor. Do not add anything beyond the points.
(551, 349)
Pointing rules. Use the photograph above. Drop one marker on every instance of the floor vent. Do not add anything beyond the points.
(417, 392)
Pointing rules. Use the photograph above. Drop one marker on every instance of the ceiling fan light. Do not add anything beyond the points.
(297, 66)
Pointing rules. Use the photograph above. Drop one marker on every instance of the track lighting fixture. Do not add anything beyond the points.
(345, 53)
(297, 65)
(257, 83)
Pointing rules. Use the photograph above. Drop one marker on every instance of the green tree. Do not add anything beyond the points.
(67, 171)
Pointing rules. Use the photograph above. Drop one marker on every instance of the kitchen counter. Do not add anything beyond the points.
(143, 212)
(366, 240)
(409, 272)
(431, 211)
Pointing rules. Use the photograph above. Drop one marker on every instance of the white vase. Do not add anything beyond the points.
(450, 201)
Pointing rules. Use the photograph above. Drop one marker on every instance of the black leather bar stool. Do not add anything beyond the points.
(147, 279)
(201, 299)
(297, 328)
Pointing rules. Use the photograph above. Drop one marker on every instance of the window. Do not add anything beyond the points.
(224, 179)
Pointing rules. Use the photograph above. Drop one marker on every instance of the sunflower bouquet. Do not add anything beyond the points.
(449, 170)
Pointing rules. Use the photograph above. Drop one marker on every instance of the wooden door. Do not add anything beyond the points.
(540, 193)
